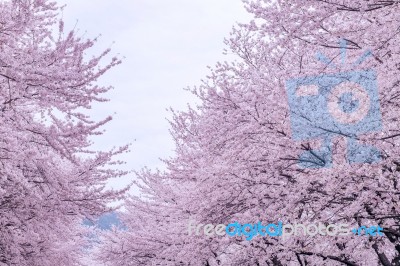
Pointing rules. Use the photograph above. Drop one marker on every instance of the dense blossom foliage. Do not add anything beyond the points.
(236, 159)
(50, 179)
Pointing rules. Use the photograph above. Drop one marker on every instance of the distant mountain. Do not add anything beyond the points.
(106, 221)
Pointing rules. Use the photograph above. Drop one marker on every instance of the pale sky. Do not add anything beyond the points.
(167, 45)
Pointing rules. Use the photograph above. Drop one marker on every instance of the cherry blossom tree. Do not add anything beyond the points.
(237, 159)
(50, 178)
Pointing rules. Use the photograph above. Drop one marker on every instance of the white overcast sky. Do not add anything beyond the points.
(167, 45)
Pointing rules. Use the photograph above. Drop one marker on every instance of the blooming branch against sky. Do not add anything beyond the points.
(167, 46)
